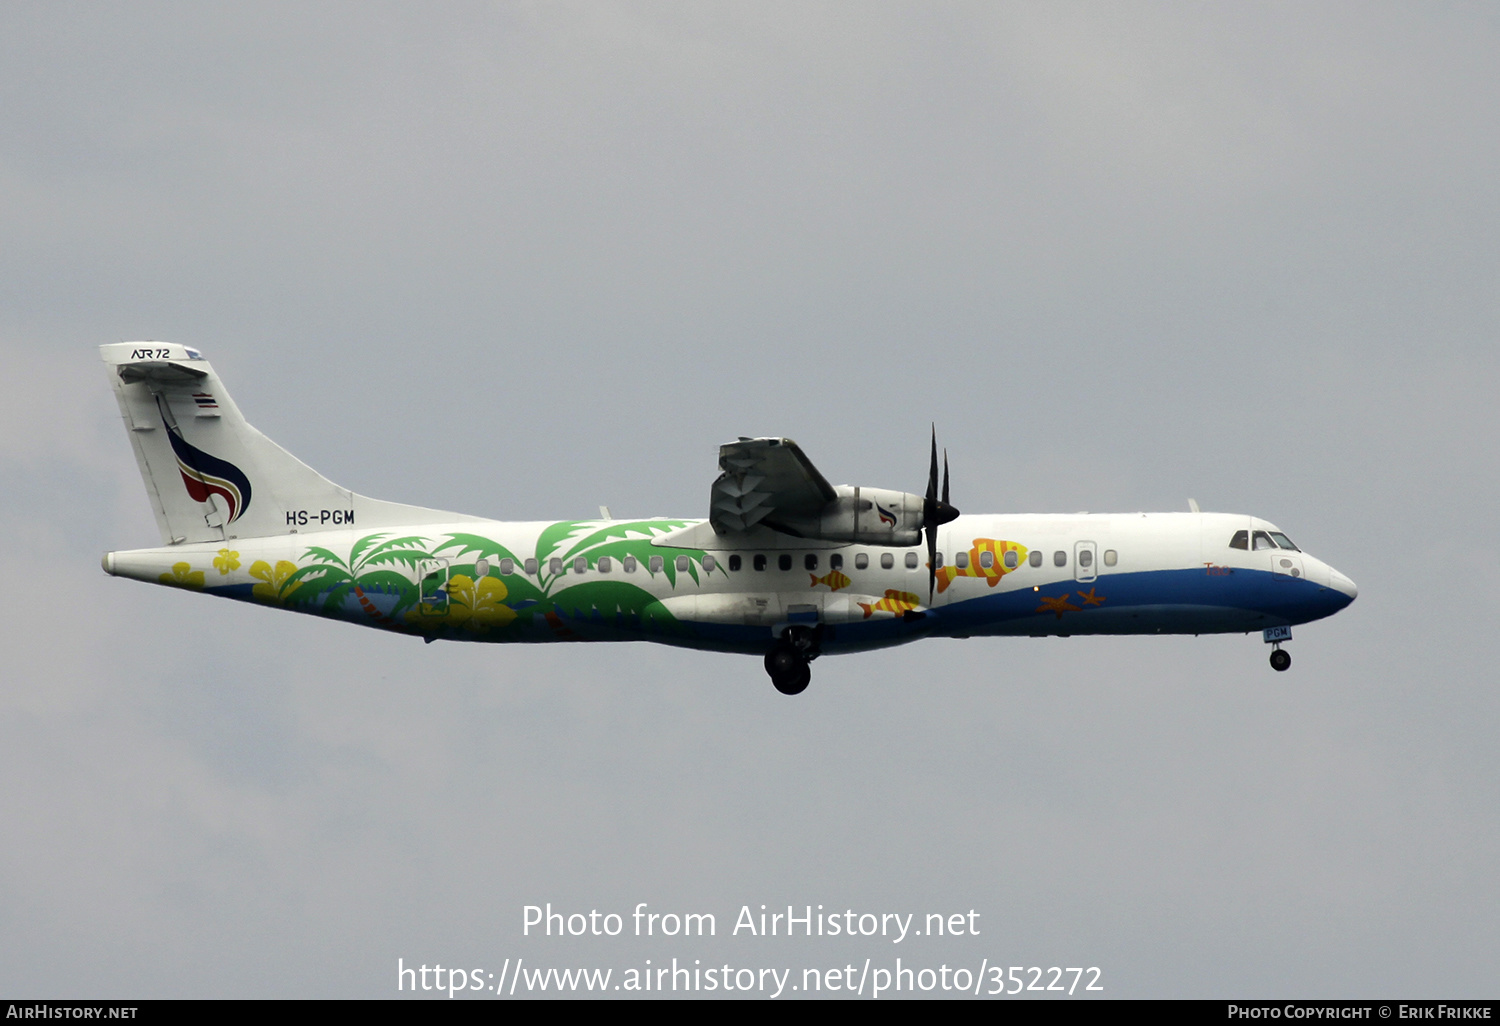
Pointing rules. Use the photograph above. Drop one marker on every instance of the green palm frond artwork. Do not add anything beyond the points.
(486, 600)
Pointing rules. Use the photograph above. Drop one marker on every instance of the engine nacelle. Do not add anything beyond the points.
(865, 516)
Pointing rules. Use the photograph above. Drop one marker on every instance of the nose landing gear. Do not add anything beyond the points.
(788, 659)
(1274, 636)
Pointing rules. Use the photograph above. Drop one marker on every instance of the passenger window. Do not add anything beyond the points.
(605, 564)
(656, 565)
(580, 565)
(1241, 540)
(939, 562)
(682, 564)
(986, 559)
(1085, 559)
(532, 566)
(810, 561)
(507, 566)
(1035, 559)
(835, 562)
(734, 562)
(760, 562)
(1284, 541)
(1111, 557)
(1262, 540)
(1059, 558)
(1012, 560)
(628, 563)
(962, 559)
(554, 566)
(862, 561)
(887, 560)
(784, 561)
(911, 560)
(708, 563)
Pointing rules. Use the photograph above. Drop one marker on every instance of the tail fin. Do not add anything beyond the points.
(209, 474)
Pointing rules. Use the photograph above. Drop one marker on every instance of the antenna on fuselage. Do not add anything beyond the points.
(1193, 506)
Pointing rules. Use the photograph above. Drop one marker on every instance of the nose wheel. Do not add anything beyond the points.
(1281, 659)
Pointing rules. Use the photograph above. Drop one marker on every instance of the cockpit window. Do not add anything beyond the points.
(1262, 540)
(1241, 540)
(1284, 541)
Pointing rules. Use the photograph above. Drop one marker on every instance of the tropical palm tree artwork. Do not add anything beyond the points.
(577, 584)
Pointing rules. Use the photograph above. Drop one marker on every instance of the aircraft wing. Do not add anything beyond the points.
(765, 478)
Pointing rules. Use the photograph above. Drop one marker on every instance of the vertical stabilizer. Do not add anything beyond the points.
(209, 474)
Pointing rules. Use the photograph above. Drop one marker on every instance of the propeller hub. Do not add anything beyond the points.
(939, 513)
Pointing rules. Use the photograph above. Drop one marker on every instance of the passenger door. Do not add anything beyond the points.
(432, 584)
(1085, 561)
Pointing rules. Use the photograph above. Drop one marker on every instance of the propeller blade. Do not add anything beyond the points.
(931, 563)
(932, 478)
(929, 520)
(935, 513)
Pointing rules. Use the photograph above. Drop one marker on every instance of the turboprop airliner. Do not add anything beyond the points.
(786, 566)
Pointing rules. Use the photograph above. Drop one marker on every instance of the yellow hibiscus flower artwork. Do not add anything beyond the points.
(478, 606)
(272, 580)
(183, 576)
(226, 561)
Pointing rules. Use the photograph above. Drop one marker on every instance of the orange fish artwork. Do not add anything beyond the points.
(835, 579)
(897, 602)
(997, 568)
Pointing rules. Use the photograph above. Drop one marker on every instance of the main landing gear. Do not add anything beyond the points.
(1281, 659)
(788, 659)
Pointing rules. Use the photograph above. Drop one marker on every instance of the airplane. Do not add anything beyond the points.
(786, 566)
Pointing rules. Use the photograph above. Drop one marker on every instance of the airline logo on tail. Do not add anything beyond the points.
(206, 475)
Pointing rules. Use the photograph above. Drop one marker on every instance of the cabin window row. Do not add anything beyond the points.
(604, 565)
(1037, 558)
(811, 561)
(785, 561)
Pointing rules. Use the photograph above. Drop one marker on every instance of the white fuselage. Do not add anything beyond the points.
(673, 581)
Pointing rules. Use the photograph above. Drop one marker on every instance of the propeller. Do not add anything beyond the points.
(935, 513)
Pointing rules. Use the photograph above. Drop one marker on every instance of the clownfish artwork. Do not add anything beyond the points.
(991, 569)
(835, 579)
(897, 602)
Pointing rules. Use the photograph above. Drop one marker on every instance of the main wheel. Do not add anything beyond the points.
(788, 669)
(1281, 659)
(795, 682)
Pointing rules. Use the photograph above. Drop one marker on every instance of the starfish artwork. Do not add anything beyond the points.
(1057, 605)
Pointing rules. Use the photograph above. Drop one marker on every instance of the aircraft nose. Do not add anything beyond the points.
(1341, 583)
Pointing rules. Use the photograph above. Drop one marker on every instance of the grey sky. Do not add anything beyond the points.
(522, 259)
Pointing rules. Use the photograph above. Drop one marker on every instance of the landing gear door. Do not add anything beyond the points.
(1085, 561)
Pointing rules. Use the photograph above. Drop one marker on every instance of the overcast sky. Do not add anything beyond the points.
(519, 260)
